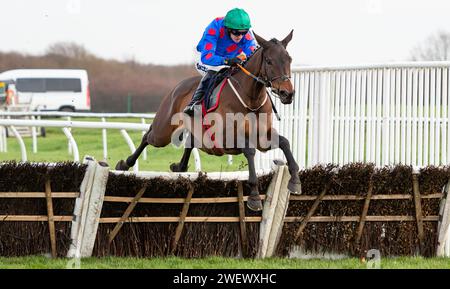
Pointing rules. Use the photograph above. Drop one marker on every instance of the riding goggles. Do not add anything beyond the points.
(238, 32)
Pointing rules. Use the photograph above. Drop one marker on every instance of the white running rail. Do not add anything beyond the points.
(69, 115)
(380, 113)
(65, 125)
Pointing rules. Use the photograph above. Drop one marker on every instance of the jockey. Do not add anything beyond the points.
(225, 42)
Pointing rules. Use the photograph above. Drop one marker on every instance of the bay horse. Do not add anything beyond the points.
(268, 66)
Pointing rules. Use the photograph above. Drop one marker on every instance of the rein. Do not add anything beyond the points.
(258, 79)
(265, 82)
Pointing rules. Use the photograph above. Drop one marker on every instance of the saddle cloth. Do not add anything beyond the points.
(211, 100)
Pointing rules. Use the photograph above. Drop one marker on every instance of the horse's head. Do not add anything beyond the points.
(276, 66)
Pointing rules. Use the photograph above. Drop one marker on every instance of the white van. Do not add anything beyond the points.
(51, 89)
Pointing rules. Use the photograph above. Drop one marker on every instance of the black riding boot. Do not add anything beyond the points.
(200, 92)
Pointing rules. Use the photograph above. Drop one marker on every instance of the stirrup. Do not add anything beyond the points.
(190, 109)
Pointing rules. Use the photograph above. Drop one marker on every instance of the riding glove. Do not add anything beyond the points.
(233, 61)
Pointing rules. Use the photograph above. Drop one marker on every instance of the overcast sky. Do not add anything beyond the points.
(326, 32)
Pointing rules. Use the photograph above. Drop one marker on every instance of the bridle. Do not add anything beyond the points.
(270, 80)
(266, 81)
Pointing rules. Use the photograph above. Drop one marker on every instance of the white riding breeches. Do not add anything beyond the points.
(203, 68)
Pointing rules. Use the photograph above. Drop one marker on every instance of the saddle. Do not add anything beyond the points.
(212, 96)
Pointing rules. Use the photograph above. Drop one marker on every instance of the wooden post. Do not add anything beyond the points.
(443, 244)
(279, 214)
(364, 213)
(270, 204)
(183, 215)
(418, 206)
(244, 243)
(51, 221)
(126, 214)
(311, 212)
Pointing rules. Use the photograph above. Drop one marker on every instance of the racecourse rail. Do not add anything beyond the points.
(71, 124)
(68, 115)
(65, 125)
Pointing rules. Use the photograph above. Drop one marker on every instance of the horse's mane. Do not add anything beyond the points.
(250, 56)
(273, 41)
(235, 70)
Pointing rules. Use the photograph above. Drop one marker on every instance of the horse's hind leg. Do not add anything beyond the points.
(254, 200)
(131, 160)
(182, 166)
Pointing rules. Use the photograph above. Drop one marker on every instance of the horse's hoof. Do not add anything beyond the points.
(122, 166)
(175, 167)
(295, 188)
(254, 203)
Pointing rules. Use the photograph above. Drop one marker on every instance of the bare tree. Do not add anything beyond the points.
(435, 48)
(68, 49)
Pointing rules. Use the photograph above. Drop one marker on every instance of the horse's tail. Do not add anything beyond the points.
(149, 130)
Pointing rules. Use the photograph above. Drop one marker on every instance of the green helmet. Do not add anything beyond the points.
(237, 19)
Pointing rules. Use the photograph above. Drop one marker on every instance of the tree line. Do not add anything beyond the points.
(112, 82)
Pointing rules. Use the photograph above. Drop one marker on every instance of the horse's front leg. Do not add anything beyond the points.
(294, 183)
(254, 200)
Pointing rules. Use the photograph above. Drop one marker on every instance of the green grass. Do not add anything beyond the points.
(41, 262)
(53, 148)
